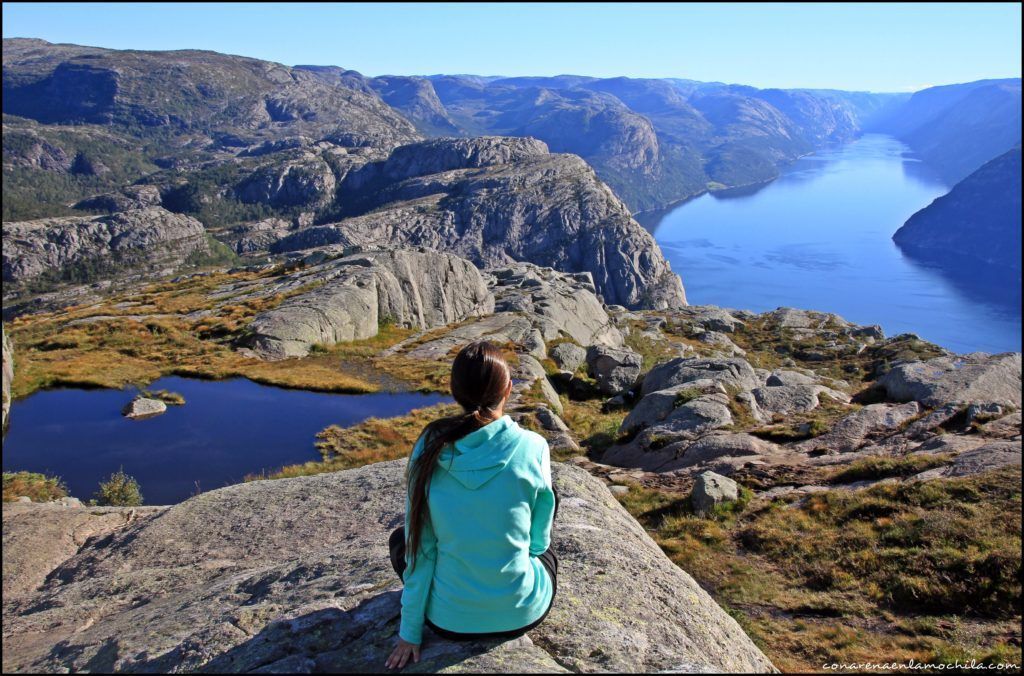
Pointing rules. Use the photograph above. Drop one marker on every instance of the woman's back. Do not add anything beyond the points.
(490, 508)
(474, 552)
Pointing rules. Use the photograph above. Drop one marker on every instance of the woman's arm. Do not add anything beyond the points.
(543, 507)
(419, 575)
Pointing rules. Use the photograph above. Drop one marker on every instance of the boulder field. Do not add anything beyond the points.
(293, 575)
(716, 412)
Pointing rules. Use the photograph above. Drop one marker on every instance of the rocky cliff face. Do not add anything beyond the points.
(438, 156)
(306, 182)
(354, 295)
(80, 249)
(496, 201)
(975, 229)
(293, 576)
(416, 99)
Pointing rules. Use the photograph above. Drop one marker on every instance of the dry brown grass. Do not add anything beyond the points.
(39, 487)
(116, 350)
(373, 440)
(923, 570)
(425, 375)
(593, 428)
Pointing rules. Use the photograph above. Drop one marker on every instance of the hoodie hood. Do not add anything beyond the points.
(475, 458)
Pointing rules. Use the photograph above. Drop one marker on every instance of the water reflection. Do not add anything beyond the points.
(998, 288)
(820, 237)
(226, 430)
(916, 170)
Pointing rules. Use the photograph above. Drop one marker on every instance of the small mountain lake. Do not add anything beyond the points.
(820, 238)
(226, 430)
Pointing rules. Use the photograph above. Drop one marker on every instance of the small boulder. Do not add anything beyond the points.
(781, 378)
(530, 371)
(142, 407)
(568, 356)
(712, 489)
(705, 413)
(555, 430)
(549, 421)
(715, 319)
(614, 370)
(975, 378)
(727, 370)
(654, 408)
(723, 342)
(787, 398)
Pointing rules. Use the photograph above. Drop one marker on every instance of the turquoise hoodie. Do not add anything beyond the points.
(491, 507)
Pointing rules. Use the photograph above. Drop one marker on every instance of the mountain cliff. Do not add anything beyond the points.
(660, 141)
(256, 152)
(957, 128)
(140, 242)
(974, 231)
(495, 201)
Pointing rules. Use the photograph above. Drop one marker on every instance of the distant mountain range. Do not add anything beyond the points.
(957, 128)
(654, 141)
(259, 152)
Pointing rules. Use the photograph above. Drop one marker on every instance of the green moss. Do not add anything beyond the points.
(685, 396)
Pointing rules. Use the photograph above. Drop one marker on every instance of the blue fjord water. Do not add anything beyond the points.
(225, 430)
(819, 238)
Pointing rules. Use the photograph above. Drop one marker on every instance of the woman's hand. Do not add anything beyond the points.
(401, 654)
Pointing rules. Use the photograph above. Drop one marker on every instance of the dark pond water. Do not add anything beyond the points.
(819, 238)
(225, 430)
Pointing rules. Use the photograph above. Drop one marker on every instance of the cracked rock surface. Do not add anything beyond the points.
(292, 575)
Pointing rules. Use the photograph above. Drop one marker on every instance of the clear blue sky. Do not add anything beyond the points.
(878, 47)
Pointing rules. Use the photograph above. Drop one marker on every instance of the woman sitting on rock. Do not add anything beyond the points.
(475, 551)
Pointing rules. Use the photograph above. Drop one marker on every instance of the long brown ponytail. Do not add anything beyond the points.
(479, 382)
